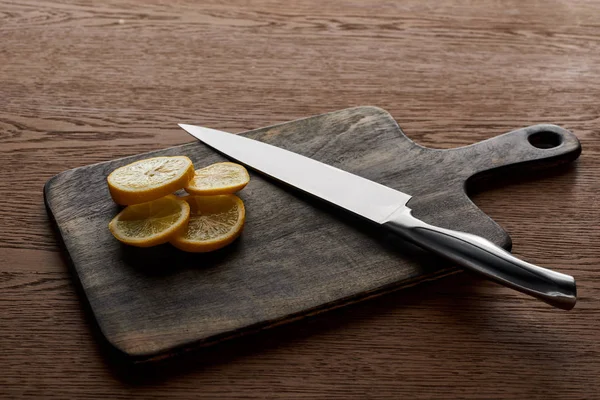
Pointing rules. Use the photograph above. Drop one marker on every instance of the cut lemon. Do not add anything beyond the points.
(215, 222)
(151, 223)
(149, 179)
(219, 178)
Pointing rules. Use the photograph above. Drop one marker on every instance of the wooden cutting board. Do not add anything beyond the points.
(297, 256)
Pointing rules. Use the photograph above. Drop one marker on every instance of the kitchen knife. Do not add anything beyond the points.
(387, 207)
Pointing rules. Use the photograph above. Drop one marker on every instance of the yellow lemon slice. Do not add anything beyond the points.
(152, 223)
(149, 179)
(215, 222)
(219, 178)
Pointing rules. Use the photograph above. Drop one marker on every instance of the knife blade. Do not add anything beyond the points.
(388, 207)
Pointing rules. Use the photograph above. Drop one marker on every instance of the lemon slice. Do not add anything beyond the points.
(219, 178)
(151, 223)
(215, 222)
(149, 179)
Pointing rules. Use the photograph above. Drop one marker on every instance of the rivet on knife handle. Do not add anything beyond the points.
(480, 255)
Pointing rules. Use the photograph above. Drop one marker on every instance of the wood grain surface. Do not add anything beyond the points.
(88, 82)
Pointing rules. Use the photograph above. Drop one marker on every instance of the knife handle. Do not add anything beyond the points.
(480, 255)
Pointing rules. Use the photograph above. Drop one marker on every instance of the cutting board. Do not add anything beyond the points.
(297, 256)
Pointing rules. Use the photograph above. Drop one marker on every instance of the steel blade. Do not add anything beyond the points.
(352, 192)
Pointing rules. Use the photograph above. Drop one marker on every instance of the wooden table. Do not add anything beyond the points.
(83, 83)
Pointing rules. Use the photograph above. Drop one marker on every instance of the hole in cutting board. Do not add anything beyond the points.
(545, 140)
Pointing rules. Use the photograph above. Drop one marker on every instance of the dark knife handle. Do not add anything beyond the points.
(480, 255)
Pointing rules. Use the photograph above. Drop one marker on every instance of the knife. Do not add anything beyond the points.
(387, 207)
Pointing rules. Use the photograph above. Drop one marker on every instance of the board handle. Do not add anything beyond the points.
(538, 146)
(482, 256)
